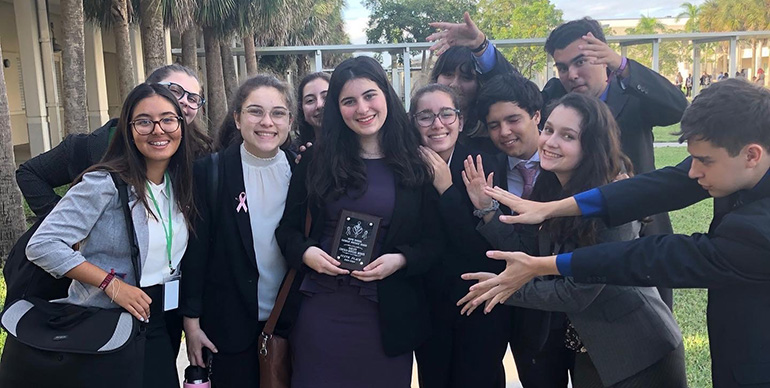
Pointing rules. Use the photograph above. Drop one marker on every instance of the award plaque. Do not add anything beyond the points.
(354, 239)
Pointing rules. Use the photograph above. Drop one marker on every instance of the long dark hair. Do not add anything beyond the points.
(202, 143)
(228, 133)
(125, 159)
(337, 166)
(306, 131)
(602, 161)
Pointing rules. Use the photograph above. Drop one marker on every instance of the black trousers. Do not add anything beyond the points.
(464, 351)
(668, 372)
(160, 349)
(547, 367)
(237, 370)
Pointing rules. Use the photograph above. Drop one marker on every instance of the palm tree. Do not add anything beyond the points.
(11, 212)
(179, 15)
(73, 67)
(117, 15)
(212, 16)
(692, 13)
(153, 34)
(228, 68)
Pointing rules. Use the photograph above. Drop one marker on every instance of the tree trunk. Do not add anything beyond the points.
(303, 66)
(153, 35)
(73, 67)
(228, 68)
(251, 55)
(11, 211)
(217, 102)
(123, 47)
(190, 48)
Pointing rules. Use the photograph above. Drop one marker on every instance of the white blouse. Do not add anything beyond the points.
(267, 184)
(156, 267)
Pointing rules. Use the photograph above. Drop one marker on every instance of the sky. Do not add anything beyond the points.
(356, 16)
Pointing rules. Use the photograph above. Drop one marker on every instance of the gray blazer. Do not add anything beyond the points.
(90, 214)
(624, 329)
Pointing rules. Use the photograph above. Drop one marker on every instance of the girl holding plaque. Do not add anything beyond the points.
(461, 351)
(358, 327)
(233, 266)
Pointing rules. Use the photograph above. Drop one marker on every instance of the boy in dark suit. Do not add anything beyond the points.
(728, 162)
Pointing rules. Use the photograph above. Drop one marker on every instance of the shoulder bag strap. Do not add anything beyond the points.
(123, 194)
(213, 189)
(272, 320)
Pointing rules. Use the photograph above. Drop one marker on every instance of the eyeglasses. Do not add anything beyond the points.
(447, 116)
(146, 126)
(255, 115)
(194, 100)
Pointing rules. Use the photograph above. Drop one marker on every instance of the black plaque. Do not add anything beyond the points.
(354, 239)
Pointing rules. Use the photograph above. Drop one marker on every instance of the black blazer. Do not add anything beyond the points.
(60, 166)
(219, 270)
(731, 260)
(414, 231)
(467, 248)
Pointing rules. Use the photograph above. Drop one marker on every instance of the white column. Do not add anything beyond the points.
(96, 84)
(624, 51)
(733, 55)
(695, 68)
(549, 73)
(407, 78)
(395, 79)
(136, 52)
(167, 41)
(318, 63)
(49, 75)
(32, 76)
(656, 55)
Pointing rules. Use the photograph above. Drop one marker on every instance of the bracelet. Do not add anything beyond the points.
(107, 280)
(482, 46)
(115, 292)
(480, 213)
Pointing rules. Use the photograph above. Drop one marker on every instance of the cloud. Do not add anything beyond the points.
(617, 9)
(356, 29)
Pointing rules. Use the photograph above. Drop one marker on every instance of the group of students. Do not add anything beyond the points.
(478, 143)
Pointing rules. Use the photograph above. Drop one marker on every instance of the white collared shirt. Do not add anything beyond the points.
(156, 269)
(515, 180)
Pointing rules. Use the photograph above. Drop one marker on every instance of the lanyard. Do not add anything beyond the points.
(167, 231)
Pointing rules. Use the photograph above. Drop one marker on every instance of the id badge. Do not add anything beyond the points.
(171, 295)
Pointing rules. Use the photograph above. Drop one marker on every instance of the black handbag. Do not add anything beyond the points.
(63, 345)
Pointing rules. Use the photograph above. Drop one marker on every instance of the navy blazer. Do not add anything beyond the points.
(414, 231)
(731, 260)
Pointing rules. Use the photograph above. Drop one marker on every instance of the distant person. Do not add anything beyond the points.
(679, 80)
(760, 77)
(688, 86)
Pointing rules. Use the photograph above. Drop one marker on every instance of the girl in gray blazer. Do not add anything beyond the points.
(621, 336)
(151, 152)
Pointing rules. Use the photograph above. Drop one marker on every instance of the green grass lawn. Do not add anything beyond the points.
(689, 305)
(664, 134)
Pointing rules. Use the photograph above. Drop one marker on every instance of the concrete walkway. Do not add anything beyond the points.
(669, 144)
(512, 380)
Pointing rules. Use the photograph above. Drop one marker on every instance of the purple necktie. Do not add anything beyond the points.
(528, 173)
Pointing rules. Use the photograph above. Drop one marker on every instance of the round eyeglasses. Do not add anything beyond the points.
(146, 126)
(255, 115)
(194, 100)
(446, 116)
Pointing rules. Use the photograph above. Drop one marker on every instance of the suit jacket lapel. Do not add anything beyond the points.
(139, 214)
(235, 190)
(403, 198)
(616, 99)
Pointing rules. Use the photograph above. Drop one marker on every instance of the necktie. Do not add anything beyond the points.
(528, 173)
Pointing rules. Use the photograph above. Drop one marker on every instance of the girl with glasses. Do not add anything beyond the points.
(358, 328)
(152, 152)
(461, 351)
(233, 267)
(38, 176)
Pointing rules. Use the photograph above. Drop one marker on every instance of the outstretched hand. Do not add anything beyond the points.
(598, 52)
(520, 268)
(464, 34)
(476, 181)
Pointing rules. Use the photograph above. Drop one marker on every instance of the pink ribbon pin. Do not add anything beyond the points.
(241, 203)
